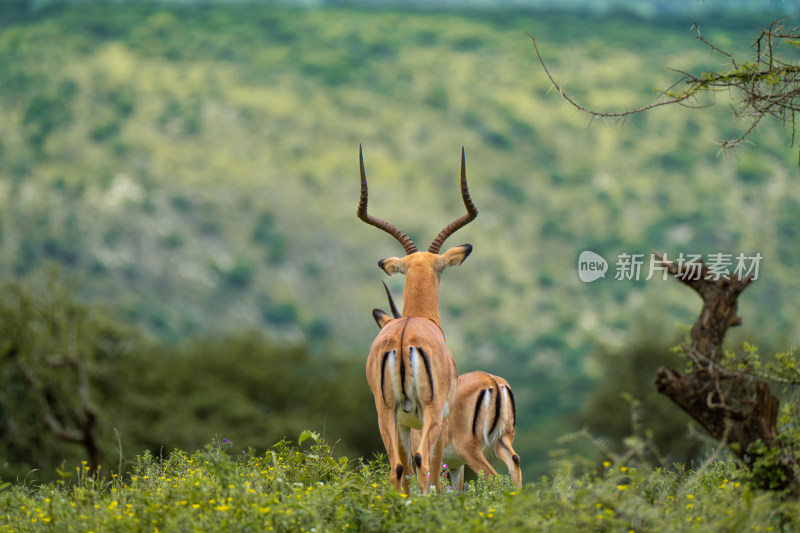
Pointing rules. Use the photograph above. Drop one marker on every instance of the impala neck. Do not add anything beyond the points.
(421, 295)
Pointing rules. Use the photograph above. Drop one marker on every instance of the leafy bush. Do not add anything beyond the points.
(148, 395)
(625, 396)
(244, 388)
(304, 487)
(49, 348)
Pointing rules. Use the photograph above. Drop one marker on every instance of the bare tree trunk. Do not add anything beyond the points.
(731, 405)
(84, 433)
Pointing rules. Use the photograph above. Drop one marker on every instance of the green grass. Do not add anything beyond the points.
(305, 489)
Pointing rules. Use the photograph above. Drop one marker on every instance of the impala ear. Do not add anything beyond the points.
(454, 256)
(381, 318)
(393, 265)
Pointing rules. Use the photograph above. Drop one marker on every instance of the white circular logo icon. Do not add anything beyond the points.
(591, 266)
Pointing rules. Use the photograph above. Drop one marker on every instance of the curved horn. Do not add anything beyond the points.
(392, 230)
(472, 212)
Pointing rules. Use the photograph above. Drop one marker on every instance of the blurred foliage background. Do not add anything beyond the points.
(191, 171)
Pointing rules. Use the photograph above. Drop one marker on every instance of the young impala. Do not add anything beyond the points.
(409, 369)
(483, 417)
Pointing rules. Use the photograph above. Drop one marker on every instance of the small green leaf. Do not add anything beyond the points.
(308, 434)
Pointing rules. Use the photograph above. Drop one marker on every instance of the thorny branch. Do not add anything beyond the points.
(767, 86)
(619, 114)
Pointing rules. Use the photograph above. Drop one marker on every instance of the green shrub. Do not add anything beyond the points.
(304, 487)
(149, 395)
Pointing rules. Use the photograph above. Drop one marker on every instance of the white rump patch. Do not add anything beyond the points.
(394, 375)
(412, 385)
(487, 405)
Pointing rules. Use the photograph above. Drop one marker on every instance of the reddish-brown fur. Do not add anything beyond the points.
(466, 428)
(410, 370)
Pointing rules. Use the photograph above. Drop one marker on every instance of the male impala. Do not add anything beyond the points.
(483, 417)
(409, 369)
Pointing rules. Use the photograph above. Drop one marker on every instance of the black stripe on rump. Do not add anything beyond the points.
(477, 412)
(383, 374)
(497, 400)
(427, 368)
(513, 406)
(402, 360)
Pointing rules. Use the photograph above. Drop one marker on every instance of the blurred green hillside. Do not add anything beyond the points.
(196, 170)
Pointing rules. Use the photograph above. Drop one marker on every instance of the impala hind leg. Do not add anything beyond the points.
(405, 455)
(436, 459)
(457, 478)
(398, 457)
(507, 454)
(472, 454)
(431, 428)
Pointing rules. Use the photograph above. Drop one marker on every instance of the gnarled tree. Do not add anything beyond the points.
(44, 355)
(732, 405)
